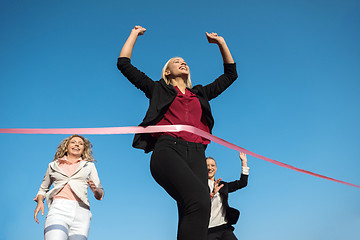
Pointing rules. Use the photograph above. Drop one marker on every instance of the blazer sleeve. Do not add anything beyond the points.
(238, 184)
(95, 177)
(46, 183)
(135, 76)
(215, 88)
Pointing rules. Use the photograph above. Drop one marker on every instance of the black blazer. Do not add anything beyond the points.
(232, 214)
(162, 95)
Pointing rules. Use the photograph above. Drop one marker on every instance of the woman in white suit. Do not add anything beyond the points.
(71, 172)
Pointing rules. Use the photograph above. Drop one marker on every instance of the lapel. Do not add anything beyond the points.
(81, 165)
(55, 166)
(193, 90)
(170, 87)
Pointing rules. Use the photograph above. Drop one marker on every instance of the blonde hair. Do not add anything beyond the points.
(211, 159)
(163, 75)
(62, 148)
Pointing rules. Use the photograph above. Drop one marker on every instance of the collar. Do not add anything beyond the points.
(64, 160)
(54, 165)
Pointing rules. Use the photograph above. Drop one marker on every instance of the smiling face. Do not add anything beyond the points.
(76, 146)
(177, 67)
(211, 166)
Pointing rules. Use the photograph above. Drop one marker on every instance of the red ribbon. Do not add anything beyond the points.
(162, 128)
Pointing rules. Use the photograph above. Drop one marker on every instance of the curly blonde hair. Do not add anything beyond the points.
(62, 148)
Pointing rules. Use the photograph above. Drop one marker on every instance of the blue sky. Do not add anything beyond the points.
(296, 100)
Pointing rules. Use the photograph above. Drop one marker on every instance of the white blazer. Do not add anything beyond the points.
(77, 181)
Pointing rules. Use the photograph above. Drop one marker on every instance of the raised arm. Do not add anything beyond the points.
(134, 75)
(243, 159)
(220, 41)
(128, 47)
(215, 88)
(238, 184)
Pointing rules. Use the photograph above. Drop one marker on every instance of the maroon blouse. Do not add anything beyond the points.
(186, 110)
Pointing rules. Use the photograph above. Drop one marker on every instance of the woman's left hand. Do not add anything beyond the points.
(220, 41)
(243, 159)
(98, 192)
(92, 186)
(214, 38)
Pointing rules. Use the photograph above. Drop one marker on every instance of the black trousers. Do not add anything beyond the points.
(223, 232)
(180, 168)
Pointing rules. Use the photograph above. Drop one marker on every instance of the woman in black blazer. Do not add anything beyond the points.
(222, 215)
(178, 159)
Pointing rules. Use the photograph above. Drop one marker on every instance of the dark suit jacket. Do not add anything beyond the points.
(232, 214)
(162, 95)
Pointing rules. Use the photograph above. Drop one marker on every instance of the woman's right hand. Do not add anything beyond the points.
(217, 187)
(127, 49)
(40, 206)
(138, 30)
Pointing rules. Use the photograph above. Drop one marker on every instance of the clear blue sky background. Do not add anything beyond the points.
(296, 100)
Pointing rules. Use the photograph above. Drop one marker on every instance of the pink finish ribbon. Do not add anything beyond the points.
(162, 128)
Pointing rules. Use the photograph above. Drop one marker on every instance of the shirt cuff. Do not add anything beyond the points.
(245, 170)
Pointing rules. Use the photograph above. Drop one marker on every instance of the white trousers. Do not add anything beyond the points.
(67, 220)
